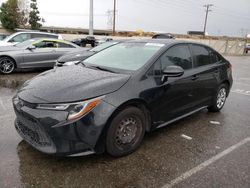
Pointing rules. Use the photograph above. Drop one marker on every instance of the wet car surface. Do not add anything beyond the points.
(164, 157)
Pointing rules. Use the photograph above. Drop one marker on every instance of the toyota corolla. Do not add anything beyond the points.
(108, 101)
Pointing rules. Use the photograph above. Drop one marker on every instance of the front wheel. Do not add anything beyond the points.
(220, 99)
(126, 132)
(7, 65)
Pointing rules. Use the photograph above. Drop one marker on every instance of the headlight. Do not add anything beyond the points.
(75, 110)
(70, 63)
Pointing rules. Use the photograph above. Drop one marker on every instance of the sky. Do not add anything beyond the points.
(228, 17)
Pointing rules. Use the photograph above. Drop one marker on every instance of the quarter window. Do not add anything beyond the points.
(178, 55)
(201, 56)
(64, 45)
(214, 57)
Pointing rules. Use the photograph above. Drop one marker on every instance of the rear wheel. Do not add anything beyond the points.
(7, 65)
(126, 132)
(220, 98)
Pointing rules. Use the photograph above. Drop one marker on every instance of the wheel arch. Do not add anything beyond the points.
(2, 56)
(139, 103)
(226, 82)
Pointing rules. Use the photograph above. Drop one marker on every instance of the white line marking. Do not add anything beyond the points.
(241, 91)
(205, 164)
(215, 122)
(186, 137)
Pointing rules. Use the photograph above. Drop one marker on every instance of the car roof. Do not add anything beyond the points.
(53, 40)
(37, 32)
(159, 41)
(166, 42)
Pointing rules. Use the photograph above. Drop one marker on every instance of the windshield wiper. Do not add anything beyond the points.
(102, 68)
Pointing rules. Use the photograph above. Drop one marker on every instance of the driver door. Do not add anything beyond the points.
(44, 55)
(175, 96)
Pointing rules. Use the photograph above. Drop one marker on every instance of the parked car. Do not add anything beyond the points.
(33, 53)
(26, 35)
(3, 36)
(247, 48)
(112, 98)
(72, 58)
(84, 41)
(163, 36)
(102, 40)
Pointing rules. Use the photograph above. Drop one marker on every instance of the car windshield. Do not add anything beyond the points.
(103, 46)
(128, 56)
(25, 43)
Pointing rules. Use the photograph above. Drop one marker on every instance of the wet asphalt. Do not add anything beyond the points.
(203, 150)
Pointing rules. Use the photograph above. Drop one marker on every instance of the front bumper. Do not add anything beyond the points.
(38, 128)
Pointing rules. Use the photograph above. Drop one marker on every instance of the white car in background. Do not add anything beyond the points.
(26, 35)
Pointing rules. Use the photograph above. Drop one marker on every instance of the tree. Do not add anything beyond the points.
(9, 15)
(34, 17)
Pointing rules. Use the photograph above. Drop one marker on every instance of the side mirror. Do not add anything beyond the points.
(172, 71)
(31, 48)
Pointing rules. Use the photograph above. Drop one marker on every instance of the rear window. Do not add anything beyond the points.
(201, 55)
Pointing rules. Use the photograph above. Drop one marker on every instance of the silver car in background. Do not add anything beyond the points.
(22, 36)
(33, 53)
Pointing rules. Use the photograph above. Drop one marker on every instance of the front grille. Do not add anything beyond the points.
(34, 134)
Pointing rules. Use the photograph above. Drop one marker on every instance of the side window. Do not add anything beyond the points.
(64, 45)
(201, 56)
(45, 44)
(51, 36)
(178, 55)
(40, 35)
(21, 37)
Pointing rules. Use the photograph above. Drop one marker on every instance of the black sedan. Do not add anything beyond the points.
(112, 98)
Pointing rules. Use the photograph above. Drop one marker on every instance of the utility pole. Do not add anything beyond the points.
(91, 17)
(114, 14)
(207, 6)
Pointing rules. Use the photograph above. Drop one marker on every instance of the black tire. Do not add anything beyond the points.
(7, 65)
(216, 106)
(126, 120)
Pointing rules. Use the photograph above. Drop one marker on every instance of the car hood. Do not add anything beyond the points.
(8, 48)
(75, 56)
(70, 84)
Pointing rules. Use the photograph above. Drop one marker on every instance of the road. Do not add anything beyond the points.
(203, 150)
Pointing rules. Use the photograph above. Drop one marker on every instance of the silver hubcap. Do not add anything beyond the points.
(126, 131)
(6, 66)
(221, 98)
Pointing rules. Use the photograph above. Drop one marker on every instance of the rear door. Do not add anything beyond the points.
(63, 48)
(206, 71)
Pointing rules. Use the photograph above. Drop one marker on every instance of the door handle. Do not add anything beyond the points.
(195, 77)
